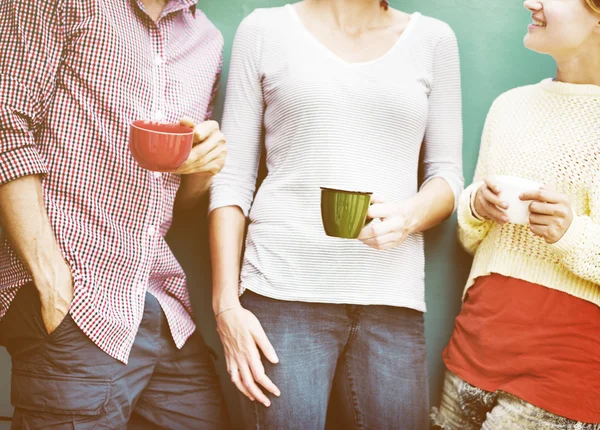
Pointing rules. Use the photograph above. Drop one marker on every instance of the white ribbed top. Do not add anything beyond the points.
(330, 123)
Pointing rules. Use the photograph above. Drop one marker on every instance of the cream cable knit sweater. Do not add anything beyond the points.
(550, 133)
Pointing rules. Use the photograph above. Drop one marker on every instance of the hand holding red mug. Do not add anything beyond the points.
(185, 148)
(209, 150)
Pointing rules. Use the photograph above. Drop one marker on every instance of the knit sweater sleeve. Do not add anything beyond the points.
(579, 248)
(471, 229)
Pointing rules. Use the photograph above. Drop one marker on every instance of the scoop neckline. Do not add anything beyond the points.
(414, 17)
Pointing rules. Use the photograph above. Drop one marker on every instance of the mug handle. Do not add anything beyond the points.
(369, 220)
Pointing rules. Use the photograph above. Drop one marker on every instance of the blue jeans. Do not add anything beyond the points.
(342, 366)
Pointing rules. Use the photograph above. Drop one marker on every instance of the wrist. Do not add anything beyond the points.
(48, 271)
(198, 181)
(473, 205)
(192, 190)
(414, 213)
(227, 309)
(223, 303)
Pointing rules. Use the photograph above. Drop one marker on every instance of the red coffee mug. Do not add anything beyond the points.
(158, 146)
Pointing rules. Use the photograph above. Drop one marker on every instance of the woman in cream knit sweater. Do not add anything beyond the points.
(525, 352)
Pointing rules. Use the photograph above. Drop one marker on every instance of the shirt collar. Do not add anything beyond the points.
(174, 6)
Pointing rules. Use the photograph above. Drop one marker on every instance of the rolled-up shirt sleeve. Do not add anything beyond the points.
(31, 46)
(442, 156)
(242, 121)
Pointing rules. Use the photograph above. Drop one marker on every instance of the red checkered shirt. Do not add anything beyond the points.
(73, 75)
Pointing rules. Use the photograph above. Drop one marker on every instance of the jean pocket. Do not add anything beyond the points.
(64, 325)
(64, 395)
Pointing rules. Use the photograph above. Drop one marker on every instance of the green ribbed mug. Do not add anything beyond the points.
(344, 213)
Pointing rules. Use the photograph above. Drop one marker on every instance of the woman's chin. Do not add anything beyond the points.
(532, 44)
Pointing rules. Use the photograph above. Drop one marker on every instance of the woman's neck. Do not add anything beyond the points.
(583, 68)
(351, 16)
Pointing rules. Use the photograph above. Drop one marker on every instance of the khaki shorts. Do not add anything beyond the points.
(465, 407)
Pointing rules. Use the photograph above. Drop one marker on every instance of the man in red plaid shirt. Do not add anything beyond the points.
(94, 308)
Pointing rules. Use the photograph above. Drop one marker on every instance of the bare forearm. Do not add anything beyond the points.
(226, 237)
(26, 225)
(433, 204)
(192, 189)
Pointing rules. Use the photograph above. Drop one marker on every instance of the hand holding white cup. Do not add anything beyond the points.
(499, 199)
(551, 213)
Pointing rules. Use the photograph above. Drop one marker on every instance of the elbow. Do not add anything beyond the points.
(451, 187)
(468, 245)
(451, 173)
(222, 197)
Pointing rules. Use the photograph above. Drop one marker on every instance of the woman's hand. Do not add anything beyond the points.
(396, 224)
(551, 213)
(487, 202)
(242, 336)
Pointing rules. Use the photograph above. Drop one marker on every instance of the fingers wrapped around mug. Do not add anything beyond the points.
(391, 225)
(551, 213)
(209, 151)
(488, 203)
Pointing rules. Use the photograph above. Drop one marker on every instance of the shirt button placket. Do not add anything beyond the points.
(159, 64)
(158, 114)
(158, 72)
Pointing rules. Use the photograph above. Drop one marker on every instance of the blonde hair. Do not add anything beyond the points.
(594, 5)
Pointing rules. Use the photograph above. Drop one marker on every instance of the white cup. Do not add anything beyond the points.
(510, 189)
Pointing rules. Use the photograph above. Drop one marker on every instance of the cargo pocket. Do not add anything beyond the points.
(62, 395)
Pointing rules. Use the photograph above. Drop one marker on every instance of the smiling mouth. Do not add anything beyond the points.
(537, 23)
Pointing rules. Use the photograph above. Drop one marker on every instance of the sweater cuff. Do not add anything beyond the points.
(474, 212)
(467, 207)
(571, 238)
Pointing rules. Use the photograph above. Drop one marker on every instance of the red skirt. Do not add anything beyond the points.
(535, 343)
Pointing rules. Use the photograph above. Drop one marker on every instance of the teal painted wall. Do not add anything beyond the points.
(494, 60)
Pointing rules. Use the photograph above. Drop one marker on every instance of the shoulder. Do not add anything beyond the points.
(207, 27)
(430, 42)
(503, 106)
(515, 95)
(432, 30)
(264, 18)
(264, 28)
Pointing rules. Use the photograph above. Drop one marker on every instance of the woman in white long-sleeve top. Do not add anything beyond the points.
(346, 95)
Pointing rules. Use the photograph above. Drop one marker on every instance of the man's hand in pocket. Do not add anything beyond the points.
(56, 299)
